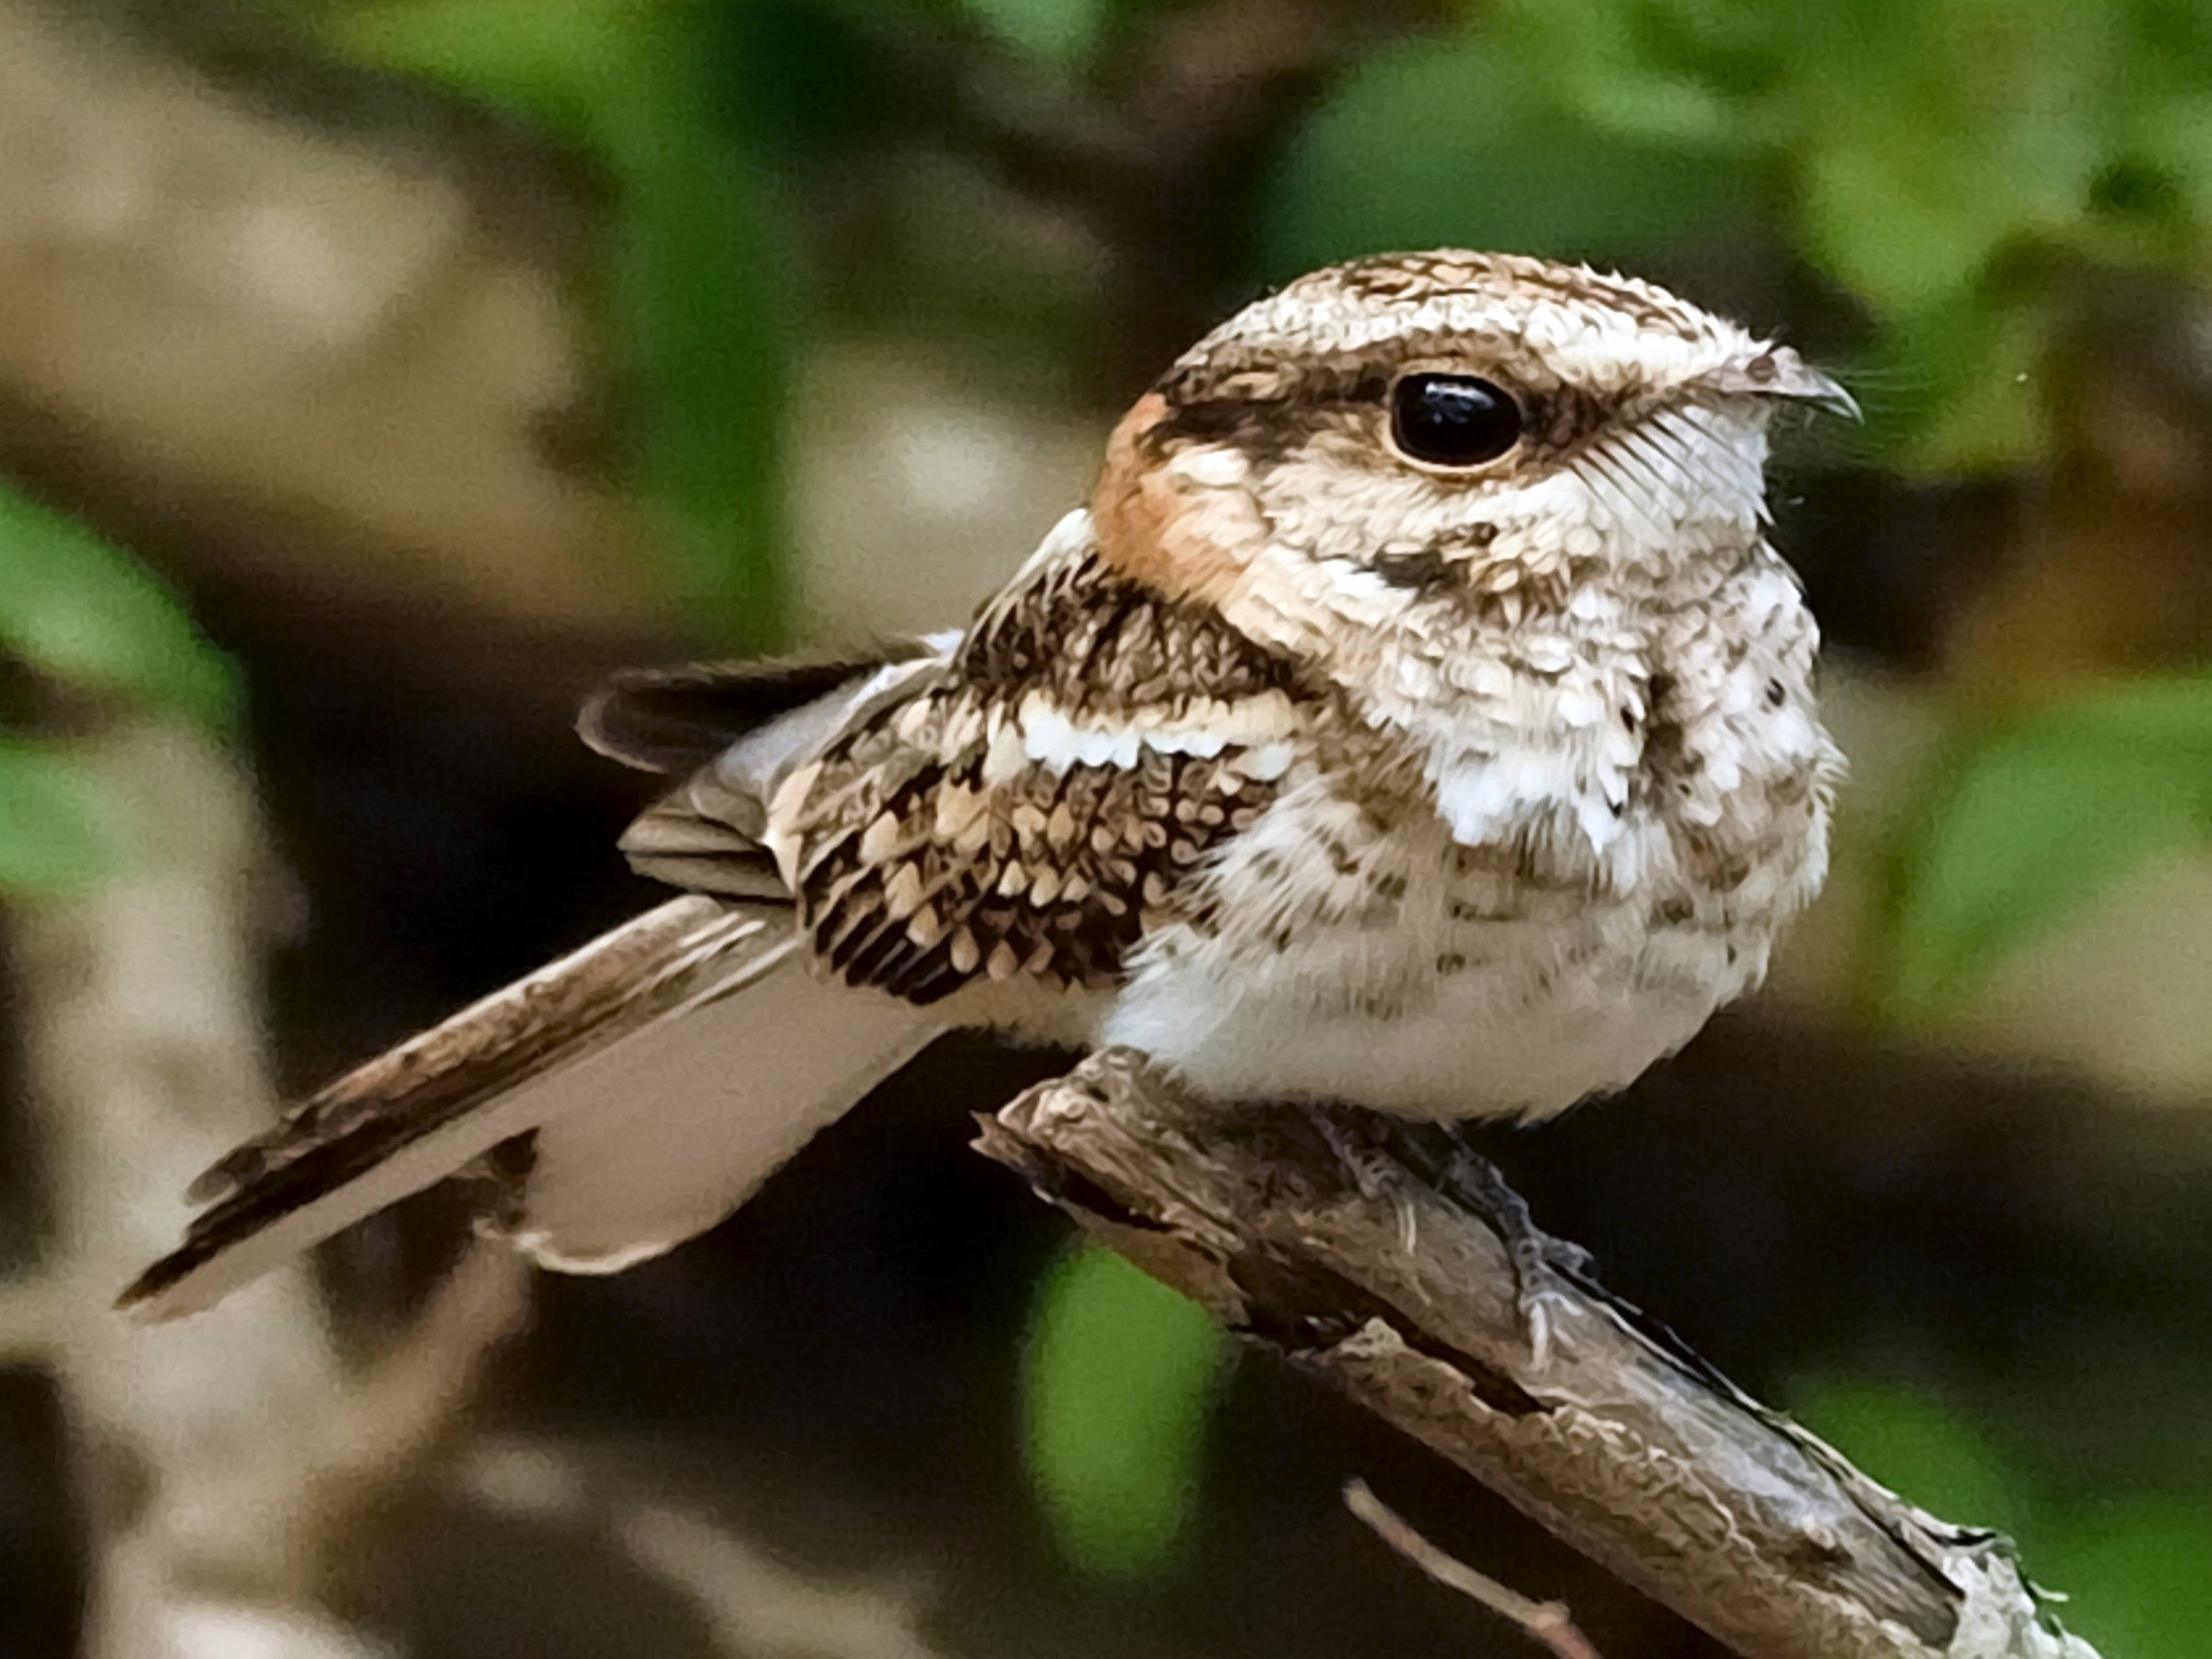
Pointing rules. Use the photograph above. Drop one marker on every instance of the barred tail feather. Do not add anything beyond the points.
(684, 1134)
(643, 1054)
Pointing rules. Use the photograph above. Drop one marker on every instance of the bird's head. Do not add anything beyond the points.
(1399, 437)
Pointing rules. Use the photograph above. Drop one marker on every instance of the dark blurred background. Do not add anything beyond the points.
(375, 375)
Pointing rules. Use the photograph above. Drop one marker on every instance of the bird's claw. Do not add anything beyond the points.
(1533, 1254)
(1535, 1257)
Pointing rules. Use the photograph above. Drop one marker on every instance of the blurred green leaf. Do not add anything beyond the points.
(1677, 71)
(2172, 134)
(1958, 390)
(56, 835)
(1120, 1379)
(76, 610)
(1978, 129)
(1059, 32)
(2135, 1577)
(1919, 1446)
(1449, 144)
(701, 327)
(2033, 817)
(708, 329)
(1899, 233)
(553, 65)
(2132, 1572)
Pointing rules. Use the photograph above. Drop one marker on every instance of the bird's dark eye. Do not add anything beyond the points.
(1452, 419)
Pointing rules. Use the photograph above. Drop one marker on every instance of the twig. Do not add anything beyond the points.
(1548, 1622)
(751, 1603)
(384, 1434)
(1394, 1281)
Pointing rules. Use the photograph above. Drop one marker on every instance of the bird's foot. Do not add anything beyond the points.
(1378, 1176)
(1535, 1257)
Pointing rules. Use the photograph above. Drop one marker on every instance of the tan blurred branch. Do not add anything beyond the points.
(754, 1606)
(31, 1319)
(299, 350)
(386, 1439)
(236, 1473)
(227, 1463)
(1392, 1278)
(143, 1057)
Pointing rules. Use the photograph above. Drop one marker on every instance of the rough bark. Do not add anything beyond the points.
(1378, 1255)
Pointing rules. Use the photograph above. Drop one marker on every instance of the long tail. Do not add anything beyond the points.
(630, 1096)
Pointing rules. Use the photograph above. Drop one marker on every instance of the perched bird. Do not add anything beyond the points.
(1418, 717)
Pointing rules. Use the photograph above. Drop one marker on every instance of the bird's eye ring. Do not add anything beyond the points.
(1452, 419)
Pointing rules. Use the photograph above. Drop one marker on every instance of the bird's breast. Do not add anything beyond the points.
(1405, 973)
(1525, 912)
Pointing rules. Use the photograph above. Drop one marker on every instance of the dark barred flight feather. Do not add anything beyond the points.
(678, 720)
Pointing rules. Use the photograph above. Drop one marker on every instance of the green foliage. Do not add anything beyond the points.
(710, 332)
(558, 67)
(1063, 33)
(2136, 1573)
(92, 626)
(1953, 387)
(1120, 1381)
(74, 609)
(697, 317)
(2034, 815)
(1963, 129)
(1921, 1446)
(1445, 144)
(1952, 167)
(2132, 1572)
(56, 836)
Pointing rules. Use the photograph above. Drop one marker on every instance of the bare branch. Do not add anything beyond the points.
(263, 1462)
(1548, 1622)
(385, 1432)
(142, 1058)
(752, 1603)
(1391, 1275)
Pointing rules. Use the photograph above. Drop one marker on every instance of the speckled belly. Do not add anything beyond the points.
(1410, 982)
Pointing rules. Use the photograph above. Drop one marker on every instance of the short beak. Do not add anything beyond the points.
(1778, 371)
